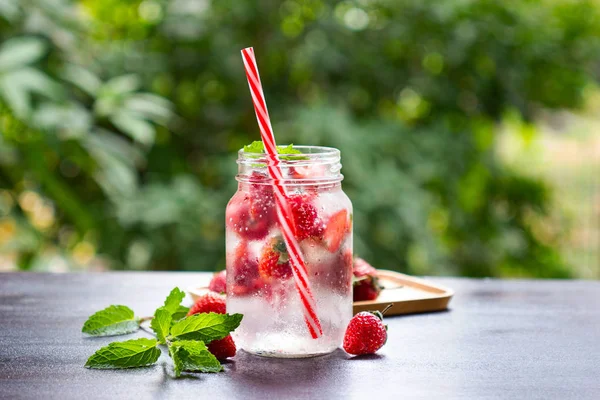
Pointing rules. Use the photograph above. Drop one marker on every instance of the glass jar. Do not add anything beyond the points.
(260, 283)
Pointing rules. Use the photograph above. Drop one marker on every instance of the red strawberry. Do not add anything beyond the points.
(305, 215)
(274, 261)
(337, 227)
(218, 282)
(244, 270)
(257, 285)
(366, 287)
(209, 302)
(245, 223)
(365, 334)
(252, 213)
(223, 348)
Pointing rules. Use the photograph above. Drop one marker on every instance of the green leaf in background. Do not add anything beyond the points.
(193, 356)
(113, 320)
(15, 96)
(206, 327)
(129, 354)
(173, 300)
(152, 107)
(180, 313)
(121, 85)
(20, 51)
(161, 323)
(139, 129)
(17, 86)
(82, 78)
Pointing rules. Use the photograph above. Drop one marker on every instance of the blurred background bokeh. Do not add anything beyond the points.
(468, 129)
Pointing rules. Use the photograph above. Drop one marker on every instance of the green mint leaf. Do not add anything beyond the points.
(173, 300)
(113, 320)
(193, 356)
(129, 354)
(205, 327)
(180, 313)
(161, 324)
(289, 149)
(255, 147)
(258, 147)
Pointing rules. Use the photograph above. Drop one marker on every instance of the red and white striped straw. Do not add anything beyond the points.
(284, 215)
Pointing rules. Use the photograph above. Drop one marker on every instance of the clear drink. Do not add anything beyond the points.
(260, 283)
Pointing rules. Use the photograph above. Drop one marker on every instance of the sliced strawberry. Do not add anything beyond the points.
(335, 230)
(366, 285)
(257, 286)
(305, 215)
(274, 261)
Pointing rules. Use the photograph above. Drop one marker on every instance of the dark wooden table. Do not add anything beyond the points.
(501, 339)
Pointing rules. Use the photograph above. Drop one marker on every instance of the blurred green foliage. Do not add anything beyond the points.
(120, 121)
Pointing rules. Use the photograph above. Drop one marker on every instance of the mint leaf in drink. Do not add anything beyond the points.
(255, 147)
(129, 354)
(258, 147)
(193, 356)
(161, 324)
(180, 313)
(289, 149)
(173, 300)
(113, 320)
(206, 326)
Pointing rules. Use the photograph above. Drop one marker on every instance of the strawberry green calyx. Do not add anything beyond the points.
(378, 314)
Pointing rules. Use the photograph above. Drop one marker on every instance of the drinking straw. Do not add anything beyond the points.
(284, 214)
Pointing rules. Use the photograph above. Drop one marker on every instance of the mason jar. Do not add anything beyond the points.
(260, 282)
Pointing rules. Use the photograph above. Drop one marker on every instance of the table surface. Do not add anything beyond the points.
(500, 339)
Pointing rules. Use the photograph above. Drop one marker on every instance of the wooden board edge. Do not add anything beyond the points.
(420, 283)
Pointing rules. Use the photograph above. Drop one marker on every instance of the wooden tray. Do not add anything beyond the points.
(407, 294)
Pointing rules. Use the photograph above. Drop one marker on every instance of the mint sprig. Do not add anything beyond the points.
(184, 336)
(130, 354)
(113, 320)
